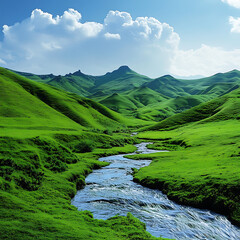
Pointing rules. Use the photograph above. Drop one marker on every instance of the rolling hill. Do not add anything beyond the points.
(219, 109)
(120, 80)
(50, 140)
(132, 94)
(168, 86)
(130, 102)
(37, 104)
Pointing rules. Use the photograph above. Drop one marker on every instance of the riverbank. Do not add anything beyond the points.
(40, 175)
(203, 172)
(110, 191)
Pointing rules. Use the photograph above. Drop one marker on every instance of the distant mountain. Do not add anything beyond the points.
(223, 81)
(120, 80)
(168, 86)
(140, 96)
(39, 78)
(77, 82)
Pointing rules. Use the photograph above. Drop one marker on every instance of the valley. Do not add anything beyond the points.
(55, 128)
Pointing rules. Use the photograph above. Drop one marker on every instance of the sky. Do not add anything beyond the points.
(156, 37)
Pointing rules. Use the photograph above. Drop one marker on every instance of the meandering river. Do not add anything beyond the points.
(110, 191)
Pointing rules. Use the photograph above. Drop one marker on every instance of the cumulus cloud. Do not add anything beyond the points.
(204, 61)
(233, 3)
(45, 43)
(235, 22)
(112, 36)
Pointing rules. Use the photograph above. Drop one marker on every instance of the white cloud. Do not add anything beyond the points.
(112, 36)
(204, 61)
(45, 43)
(233, 3)
(235, 22)
(2, 62)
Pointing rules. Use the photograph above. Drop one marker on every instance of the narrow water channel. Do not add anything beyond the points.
(110, 191)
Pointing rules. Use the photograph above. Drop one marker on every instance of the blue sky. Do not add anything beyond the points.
(188, 37)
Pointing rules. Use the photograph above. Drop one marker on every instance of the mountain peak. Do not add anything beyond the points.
(124, 68)
(77, 73)
(120, 71)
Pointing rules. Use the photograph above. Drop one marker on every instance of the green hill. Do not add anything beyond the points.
(50, 140)
(168, 86)
(141, 97)
(120, 80)
(131, 102)
(145, 95)
(219, 109)
(125, 79)
(170, 107)
(39, 78)
(39, 104)
(222, 82)
(77, 82)
(119, 103)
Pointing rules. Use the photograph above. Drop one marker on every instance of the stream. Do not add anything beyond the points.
(110, 191)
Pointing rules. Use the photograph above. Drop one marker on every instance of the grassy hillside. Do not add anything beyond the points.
(121, 103)
(48, 144)
(75, 83)
(218, 109)
(37, 104)
(125, 79)
(223, 81)
(120, 80)
(145, 96)
(201, 169)
(168, 86)
(170, 107)
(39, 78)
(130, 102)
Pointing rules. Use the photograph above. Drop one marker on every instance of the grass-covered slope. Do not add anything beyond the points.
(46, 150)
(130, 102)
(38, 178)
(222, 82)
(120, 80)
(218, 109)
(120, 103)
(74, 83)
(38, 104)
(125, 79)
(203, 171)
(39, 78)
(169, 107)
(168, 86)
(145, 96)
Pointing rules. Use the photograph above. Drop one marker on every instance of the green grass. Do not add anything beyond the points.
(25, 102)
(218, 109)
(120, 80)
(38, 178)
(204, 172)
(169, 107)
(50, 140)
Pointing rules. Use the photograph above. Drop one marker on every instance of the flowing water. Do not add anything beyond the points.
(110, 191)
